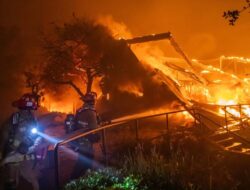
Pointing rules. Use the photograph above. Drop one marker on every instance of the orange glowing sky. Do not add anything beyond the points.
(197, 24)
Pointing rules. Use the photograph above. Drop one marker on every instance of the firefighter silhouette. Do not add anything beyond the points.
(20, 144)
(86, 119)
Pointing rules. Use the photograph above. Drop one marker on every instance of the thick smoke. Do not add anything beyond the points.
(16, 57)
(19, 51)
(30, 17)
(11, 62)
(128, 71)
(130, 85)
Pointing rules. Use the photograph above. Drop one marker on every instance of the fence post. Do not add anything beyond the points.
(137, 130)
(195, 119)
(168, 135)
(225, 108)
(241, 123)
(57, 181)
(104, 146)
(167, 124)
(201, 123)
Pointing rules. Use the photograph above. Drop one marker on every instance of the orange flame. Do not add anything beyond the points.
(131, 88)
(222, 88)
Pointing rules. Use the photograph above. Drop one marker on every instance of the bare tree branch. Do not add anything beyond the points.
(233, 15)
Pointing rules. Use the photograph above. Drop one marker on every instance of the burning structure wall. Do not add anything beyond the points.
(32, 22)
(140, 70)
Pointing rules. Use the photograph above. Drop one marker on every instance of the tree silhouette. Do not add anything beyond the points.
(74, 51)
(34, 83)
(233, 15)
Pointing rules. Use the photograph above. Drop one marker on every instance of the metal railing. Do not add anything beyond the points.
(242, 119)
(81, 133)
(198, 117)
(229, 113)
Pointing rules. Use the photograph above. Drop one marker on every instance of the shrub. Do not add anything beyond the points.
(192, 165)
(158, 172)
(106, 179)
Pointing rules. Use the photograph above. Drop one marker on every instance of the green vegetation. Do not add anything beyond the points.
(106, 179)
(190, 164)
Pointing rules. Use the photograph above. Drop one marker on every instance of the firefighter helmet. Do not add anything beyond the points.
(26, 102)
(90, 97)
(70, 123)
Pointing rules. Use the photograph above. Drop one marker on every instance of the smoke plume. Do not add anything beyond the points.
(127, 86)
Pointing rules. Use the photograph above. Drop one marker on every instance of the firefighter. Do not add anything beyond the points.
(86, 119)
(70, 127)
(21, 143)
(70, 123)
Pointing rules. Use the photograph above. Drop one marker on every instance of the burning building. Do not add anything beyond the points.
(132, 69)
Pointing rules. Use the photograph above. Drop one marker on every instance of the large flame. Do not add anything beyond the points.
(226, 81)
(222, 85)
(53, 105)
(69, 101)
(132, 89)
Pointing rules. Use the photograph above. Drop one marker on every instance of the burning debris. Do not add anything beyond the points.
(98, 53)
(140, 84)
(89, 52)
(95, 53)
